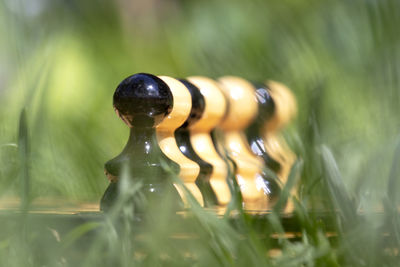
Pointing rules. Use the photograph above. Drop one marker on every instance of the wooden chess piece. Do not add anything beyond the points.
(242, 110)
(142, 101)
(255, 136)
(189, 170)
(182, 136)
(200, 136)
(285, 108)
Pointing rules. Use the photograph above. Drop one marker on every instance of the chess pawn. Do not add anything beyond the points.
(182, 136)
(142, 101)
(200, 136)
(255, 136)
(285, 108)
(242, 110)
(189, 170)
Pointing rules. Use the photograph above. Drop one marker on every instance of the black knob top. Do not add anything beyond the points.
(198, 104)
(143, 100)
(266, 105)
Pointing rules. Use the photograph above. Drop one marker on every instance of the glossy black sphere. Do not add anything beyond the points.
(266, 105)
(143, 100)
(198, 104)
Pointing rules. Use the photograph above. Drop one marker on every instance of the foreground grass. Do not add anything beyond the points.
(335, 233)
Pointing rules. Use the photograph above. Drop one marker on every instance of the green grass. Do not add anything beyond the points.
(60, 66)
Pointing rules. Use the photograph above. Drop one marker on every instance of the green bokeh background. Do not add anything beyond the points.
(62, 60)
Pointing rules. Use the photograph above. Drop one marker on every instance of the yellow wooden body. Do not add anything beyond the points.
(275, 144)
(242, 110)
(189, 170)
(215, 106)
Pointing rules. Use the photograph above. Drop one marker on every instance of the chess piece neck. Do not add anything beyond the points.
(142, 140)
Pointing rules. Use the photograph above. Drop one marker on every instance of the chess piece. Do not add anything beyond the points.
(189, 170)
(285, 108)
(255, 189)
(200, 136)
(142, 101)
(236, 195)
(255, 136)
(182, 136)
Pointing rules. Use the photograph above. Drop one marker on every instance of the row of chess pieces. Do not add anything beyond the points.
(214, 134)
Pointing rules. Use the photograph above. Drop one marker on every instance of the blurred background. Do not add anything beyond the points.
(62, 60)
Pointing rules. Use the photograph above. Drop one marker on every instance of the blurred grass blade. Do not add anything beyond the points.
(336, 187)
(392, 216)
(393, 182)
(78, 232)
(290, 184)
(23, 148)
